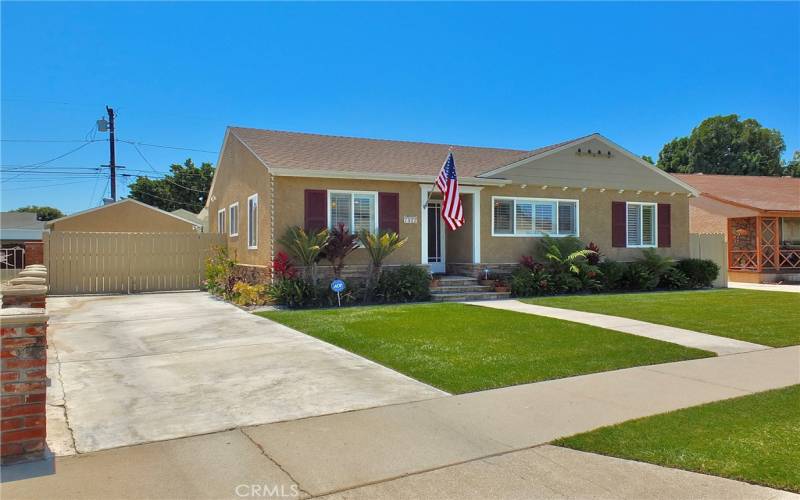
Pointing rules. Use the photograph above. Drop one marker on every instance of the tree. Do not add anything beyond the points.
(648, 159)
(186, 186)
(725, 145)
(792, 167)
(42, 213)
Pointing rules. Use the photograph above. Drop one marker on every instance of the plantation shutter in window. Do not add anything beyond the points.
(503, 217)
(316, 217)
(389, 212)
(566, 218)
(664, 225)
(634, 237)
(618, 217)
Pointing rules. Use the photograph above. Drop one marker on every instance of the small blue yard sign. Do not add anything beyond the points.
(337, 285)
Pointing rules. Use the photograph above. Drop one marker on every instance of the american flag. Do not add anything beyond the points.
(447, 181)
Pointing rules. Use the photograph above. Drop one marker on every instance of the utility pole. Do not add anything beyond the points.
(112, 164)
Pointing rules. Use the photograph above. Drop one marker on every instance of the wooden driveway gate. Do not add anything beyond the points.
(86, 263)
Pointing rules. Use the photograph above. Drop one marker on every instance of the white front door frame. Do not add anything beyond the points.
(475, 191)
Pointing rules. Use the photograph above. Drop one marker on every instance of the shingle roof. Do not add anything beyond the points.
(349, 154)
(761, 192)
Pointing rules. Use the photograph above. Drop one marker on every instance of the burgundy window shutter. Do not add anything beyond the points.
(316, 209)
(618, 224)
(664, 225)
(389, 212)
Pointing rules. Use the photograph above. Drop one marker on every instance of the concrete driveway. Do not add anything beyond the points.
(140, 368)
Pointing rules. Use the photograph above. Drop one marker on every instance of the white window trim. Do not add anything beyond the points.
(255, 222)
(538, 235)
(352, 211)
(641, 226)
(233, 231)
(221, 227)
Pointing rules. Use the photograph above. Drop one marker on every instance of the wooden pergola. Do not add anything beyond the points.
(754, 245)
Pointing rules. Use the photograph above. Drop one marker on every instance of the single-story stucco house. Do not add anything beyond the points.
(760, 218)
(267, 181)
(125, 216)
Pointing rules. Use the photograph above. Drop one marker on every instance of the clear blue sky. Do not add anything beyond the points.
(507, 75)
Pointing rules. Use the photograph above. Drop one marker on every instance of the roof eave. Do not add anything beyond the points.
(376, 176)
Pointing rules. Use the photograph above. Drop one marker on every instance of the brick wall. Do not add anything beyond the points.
(34, 252)
(23, 348)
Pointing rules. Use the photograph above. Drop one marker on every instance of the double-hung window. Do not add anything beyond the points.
(233, 217)
(534, 217)
(221, 221)
(641, 225)
(252, 222)
(356, 210)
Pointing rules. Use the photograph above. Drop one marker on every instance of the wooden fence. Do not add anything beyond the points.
(711, 246)
(87, 263)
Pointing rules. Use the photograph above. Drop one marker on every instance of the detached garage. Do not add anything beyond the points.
(124, 216)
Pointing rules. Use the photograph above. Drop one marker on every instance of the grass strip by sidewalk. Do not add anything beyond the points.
(753, 438)
(762, 317)
(461, 348)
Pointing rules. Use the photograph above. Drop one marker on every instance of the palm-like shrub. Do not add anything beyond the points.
(379, 247)
(341, 243)
(573, 262)
(305, 248)
(657, 264)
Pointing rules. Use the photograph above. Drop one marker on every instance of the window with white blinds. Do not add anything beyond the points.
(233, 212)
(252, 222)
(534, 217)
(357, 211)
(641, 225)
(221, 221)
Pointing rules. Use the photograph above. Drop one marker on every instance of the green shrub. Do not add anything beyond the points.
(656, 263)
(700, 272)
(533, 282)
(673, 279)
(638, 276)
(293, 293)
(219, 279)
(611, 273)
(404, 284)
(566, 246)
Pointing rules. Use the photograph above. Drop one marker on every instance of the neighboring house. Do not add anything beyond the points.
(267, 181)
(760, 217)
(17, 229)
(124, 216)
(201, 219)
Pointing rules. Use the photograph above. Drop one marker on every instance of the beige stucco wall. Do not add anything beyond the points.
(594, 209)
(240, 175)
(290, 210)
(123, 217)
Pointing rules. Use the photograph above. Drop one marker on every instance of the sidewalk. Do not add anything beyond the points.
(765, 287)
(334, 453)
(687, 338)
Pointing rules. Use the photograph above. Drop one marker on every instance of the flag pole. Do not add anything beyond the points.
(430, 193)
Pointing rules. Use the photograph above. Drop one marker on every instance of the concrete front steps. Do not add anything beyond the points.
(461, 288)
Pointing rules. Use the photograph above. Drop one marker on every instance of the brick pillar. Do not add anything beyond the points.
(23, 356)
(23, 295)
(34, 252)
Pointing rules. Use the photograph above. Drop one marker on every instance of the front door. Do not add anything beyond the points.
(435, 237)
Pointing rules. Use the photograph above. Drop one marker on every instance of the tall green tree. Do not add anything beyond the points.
(725, 145)
(186, 186)
(648, 159)
(42, 213)
(792, 167)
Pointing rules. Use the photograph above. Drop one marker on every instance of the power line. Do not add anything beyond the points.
(35, 165)
(53, 140)
(165, 176)
(168, 147)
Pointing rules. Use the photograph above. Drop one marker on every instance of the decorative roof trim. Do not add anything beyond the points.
(334, 174)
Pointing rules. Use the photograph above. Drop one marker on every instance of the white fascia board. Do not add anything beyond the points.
(293, 172)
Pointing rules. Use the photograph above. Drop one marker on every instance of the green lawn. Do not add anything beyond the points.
(753, 438)
(767, 318)
(461, 348)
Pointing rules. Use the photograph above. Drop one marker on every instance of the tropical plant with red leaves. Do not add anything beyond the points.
(341, 243)
(593, 258)
(530, 264)
(282, 266)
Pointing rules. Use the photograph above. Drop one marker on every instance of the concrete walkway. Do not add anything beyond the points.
(452, 447)
(688, 338)
(140, 368)
(765, 287)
